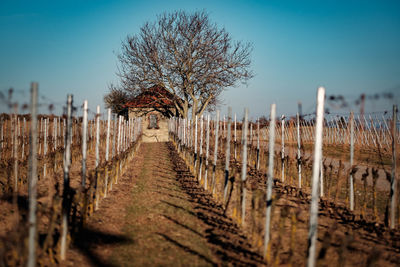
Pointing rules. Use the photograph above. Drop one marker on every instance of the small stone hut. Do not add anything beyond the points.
(155, 106)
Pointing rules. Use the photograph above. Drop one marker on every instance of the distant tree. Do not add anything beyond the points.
(116, 99)
(186, 54)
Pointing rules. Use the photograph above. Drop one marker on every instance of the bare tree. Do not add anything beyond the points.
(116, 99)
(187, 55)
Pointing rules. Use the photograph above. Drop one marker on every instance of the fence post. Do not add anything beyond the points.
(215, 152)
(207, 152)
(298, 148)
(235, 135)
(270, 180)
(283, 147)
(393, 184)
(312, 234)
(195, 143)
(201, 147)
(84, 141)
(227, 153)
(351, 182)
(67, 162)
(32, 178)
(244, 164)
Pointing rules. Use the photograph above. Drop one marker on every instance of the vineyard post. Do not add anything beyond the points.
(298, 148)
(321, 178)
(195, 143)
(184, 132)
(393, 184)
(258, 145)
(270, 180)
(207, 151)
(23, 139)
(97, 136)
(45, 146)
(67, 162)
(283, 148)
(227, 153)
(114, 135)
(32, 178)
(244, 164)
(119, 134)
(312, 234)
(97, 162)
(107, 149)
(108, 133)
(215, 152)
(235, 135)
(351, 182)
(55, 134)
(15, 149)
(201, 147)
(1, 136)
(84, 141)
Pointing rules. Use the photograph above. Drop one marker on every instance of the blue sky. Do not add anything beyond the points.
(350, 47)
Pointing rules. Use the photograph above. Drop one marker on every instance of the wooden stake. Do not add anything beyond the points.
(270, 180)
(32, 178)
(67, 164)
(312, 234)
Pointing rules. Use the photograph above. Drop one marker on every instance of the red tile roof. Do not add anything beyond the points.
(154, 97)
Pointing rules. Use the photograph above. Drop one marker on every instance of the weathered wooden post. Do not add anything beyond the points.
(227, 153)
(97, 162)
(32, 178)
(283, 147)
(215, 153)
(67, 163)
(393, 183)
(84, 141)
(107, 149)
(195, 143)
(298, 148)
(258, 145)
(244, 164)
(312, 234)
(207, 152)
(201, 147)
(270, 181)
(351, 182)
(234, 134)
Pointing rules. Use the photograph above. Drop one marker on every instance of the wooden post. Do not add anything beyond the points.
(45, 145)
(227, 153)
(283, 147)
(215, 153)
(97, 136)
(312, 234)
(84, 141)
(270, 181)
(393, 183)
(201, 147)
(258, 145)
(207, 152)
(67, 163)
(244, 164)
(235, 136)
(298, 148)
(195, 143)
(114, 136)
(351, 182)
(32, 178)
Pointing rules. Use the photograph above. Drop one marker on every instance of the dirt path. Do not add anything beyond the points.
(156, 216)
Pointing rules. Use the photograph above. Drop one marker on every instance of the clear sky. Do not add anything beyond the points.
(350, 47)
